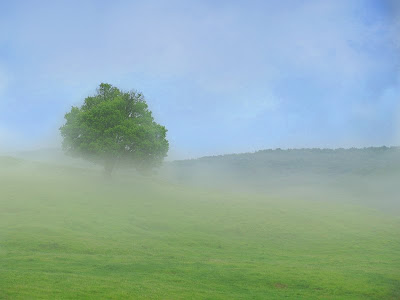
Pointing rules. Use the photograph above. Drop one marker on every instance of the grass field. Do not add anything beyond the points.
(68, 233)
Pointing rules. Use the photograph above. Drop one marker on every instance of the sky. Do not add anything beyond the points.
(222, 76)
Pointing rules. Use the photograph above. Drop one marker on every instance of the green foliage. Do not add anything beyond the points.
(115, 127)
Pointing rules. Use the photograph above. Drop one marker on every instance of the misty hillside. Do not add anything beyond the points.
(278, 162)
(50, 155)
(69, 233)
(356, 175)
(293, 161)
(8, 161)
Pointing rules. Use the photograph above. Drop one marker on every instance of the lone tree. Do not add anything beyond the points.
(113, 127)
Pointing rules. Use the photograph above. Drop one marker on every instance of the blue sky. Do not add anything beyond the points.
(222, 76)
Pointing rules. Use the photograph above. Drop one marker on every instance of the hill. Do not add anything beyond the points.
(292, 161)
(368, 176)
(9, 161)
(53, 156)
(66, 233)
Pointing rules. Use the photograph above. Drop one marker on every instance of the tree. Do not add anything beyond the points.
(114, 127)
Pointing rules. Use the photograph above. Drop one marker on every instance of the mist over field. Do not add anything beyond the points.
(305, 223)
(366, 176)
(179, 150)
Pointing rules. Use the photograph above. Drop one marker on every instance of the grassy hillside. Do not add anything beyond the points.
(67, 233)
(8, 161)
(281, 163)
(363, 176)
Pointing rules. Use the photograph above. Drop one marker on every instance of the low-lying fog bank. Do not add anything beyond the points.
(365, 176)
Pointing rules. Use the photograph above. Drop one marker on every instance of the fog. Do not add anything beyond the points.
(320, 218)
(362, 176)
(366, 176)
(200, 150)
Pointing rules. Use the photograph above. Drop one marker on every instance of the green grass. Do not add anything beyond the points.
(67, 233)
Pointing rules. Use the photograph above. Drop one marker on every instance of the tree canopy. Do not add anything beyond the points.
(113, 127)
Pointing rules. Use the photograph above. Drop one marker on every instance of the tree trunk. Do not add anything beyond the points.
(108, 168)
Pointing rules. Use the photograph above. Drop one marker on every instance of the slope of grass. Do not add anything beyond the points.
(8, 161)
(67, 233)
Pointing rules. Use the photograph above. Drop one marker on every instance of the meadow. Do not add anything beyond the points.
(67, 233)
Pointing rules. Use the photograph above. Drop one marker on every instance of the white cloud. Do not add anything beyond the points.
(233, 58)
(220, 47)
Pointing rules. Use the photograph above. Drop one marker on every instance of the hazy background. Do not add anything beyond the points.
(226, 217)
(225, 76)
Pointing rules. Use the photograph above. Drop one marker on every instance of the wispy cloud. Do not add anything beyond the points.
(299, 68)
